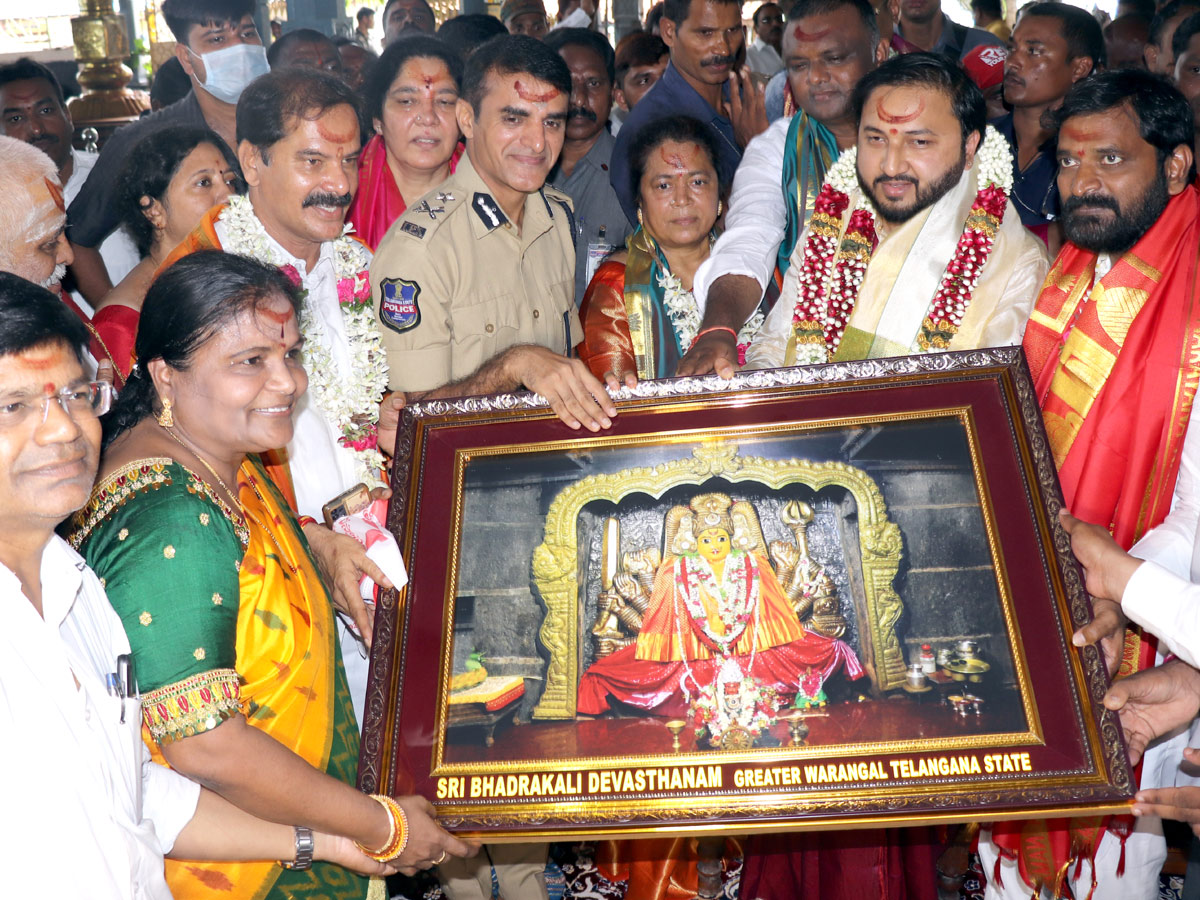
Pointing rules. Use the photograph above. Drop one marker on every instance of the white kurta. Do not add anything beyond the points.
(86, 813)
(756, 220)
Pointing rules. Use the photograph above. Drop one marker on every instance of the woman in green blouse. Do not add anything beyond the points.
(231, 627)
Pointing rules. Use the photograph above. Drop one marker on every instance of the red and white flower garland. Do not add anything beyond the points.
(831, 273)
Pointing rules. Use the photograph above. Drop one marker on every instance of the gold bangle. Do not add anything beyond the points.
(397, 838)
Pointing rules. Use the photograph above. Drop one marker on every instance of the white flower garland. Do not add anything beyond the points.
(834, 287)
(350, 399)
(684, 313)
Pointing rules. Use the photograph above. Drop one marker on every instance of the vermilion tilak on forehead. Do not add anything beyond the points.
(802, 35)
(281, 317)
(56, 194)
(674, 159)
(23, 96)
(531, 97)
(1080, 136)
(332, 136)
(899, 118)
(38, 360)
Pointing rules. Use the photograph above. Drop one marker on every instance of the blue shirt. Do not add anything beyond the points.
(671, 96)
(1035, 189)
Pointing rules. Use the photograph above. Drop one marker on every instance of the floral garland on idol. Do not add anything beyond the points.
(349, 400)
(831, 274)
(734, 700)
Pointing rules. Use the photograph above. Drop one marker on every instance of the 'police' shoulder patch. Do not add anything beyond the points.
(398, 307)
(412, 228)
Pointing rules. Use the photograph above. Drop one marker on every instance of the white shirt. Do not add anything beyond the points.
(321, 467)
(85, 811)
(763, 59)
(756, 220)
(119, 252)
(1163, 596)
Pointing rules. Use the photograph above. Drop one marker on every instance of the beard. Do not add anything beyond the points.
(55, 278)
(926, 195)
(1092, 233)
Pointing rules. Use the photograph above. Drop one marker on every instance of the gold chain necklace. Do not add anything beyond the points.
(237, 503)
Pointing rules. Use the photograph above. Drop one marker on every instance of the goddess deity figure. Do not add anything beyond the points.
(715, 602)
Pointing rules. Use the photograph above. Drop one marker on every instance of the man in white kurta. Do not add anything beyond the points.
(296, 222)
(918, 170)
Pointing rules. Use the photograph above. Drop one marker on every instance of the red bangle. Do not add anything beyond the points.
(705, 331)
(307, 520)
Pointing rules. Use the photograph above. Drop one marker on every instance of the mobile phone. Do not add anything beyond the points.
(347, 503)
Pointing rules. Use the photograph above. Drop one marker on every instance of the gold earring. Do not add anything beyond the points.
(720, 206)
(165, 418)
(639, 217)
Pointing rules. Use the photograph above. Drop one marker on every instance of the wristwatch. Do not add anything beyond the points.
(304, 850)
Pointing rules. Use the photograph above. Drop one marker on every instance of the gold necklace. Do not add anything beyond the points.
(245, 513)
(237, 504)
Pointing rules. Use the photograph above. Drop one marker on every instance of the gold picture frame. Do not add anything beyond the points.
(519, 533)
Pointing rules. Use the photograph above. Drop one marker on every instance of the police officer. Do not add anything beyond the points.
(474, 284)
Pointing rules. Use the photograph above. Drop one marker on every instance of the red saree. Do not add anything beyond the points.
(1116, 371)
(115, 327)
(378, 203)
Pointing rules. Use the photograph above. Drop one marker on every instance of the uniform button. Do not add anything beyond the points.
(536, 313)
(490, 328)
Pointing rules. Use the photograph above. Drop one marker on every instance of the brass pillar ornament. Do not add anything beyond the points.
(101, 46)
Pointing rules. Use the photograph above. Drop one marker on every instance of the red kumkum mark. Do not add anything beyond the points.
(281, 317)
(1079, 136)
(56, 194)
(902, 117)
(802, 35)
(332, 136)
(674, 160)
(38, 361)
(530, 97)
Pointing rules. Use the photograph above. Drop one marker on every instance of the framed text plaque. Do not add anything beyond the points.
(816, 597)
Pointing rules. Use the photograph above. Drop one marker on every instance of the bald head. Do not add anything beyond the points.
(33, 216)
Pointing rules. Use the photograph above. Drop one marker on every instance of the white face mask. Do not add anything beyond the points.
(230, 69)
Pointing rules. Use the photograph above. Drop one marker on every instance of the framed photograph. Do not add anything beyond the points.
(817, 597)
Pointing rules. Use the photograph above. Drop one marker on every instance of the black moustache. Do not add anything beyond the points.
(327, 200)
(580, 113)
(717, 61)
(884, 179)
(1100, 201)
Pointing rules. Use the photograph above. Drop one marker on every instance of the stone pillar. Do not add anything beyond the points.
(326, 16)
(626, 17)
(101, 45)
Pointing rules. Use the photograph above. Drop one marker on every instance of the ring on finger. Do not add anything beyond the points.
(441, 859)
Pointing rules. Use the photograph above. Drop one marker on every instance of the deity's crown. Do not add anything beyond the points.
(712, 511)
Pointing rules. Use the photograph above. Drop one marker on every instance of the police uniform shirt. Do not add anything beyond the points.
(455, 282)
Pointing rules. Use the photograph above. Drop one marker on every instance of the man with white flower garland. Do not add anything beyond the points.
(914, 245)
(828, 46)
(298, 145)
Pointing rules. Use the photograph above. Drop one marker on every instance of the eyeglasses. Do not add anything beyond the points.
(92, 399)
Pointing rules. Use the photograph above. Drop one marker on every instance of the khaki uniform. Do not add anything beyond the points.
(454, 282)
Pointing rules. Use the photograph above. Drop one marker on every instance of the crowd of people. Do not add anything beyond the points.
(211, 327)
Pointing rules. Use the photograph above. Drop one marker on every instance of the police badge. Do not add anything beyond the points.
(398, 307)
